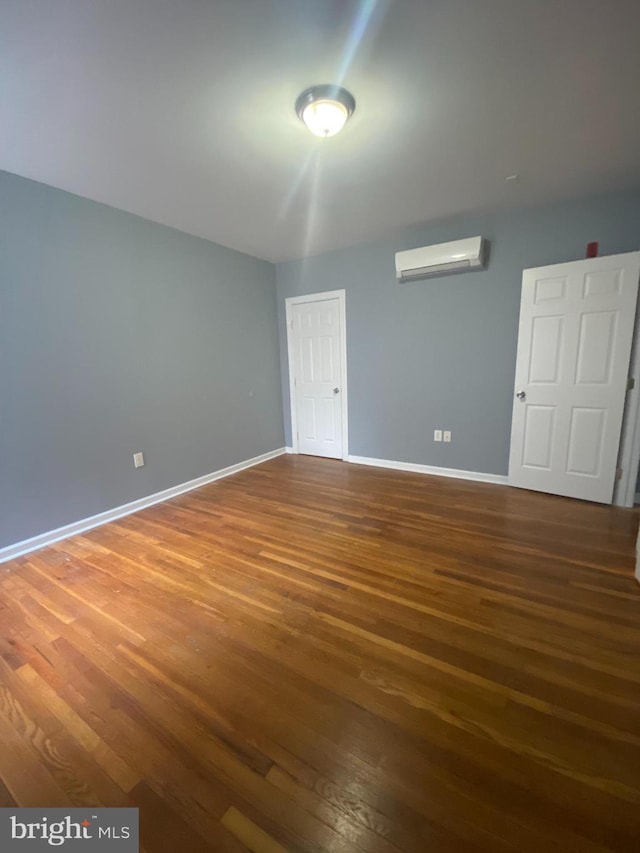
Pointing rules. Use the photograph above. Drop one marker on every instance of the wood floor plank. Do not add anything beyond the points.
(111, 763)
(312, 656)
(31, 768)
(251, 835)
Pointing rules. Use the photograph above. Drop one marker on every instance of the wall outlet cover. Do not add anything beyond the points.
(138, 460)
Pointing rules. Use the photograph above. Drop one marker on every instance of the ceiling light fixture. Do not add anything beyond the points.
(325, 109)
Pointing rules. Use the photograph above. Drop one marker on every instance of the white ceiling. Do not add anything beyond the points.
(182, 110)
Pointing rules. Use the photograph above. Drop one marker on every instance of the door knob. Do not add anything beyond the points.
(336, 390)
(521, 395)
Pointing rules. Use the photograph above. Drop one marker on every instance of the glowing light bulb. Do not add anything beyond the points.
(325, 109)
(325, 118)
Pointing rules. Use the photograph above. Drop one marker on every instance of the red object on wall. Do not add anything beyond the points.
(592, 249)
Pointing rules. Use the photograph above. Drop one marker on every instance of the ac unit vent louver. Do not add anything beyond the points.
(457, 256)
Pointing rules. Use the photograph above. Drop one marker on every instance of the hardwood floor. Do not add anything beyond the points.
(316, 656)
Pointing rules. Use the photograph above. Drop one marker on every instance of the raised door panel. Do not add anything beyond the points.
(546, 349)
(537, 445)
(309, 418)
(606, 282)
(328, 419)
(547, 290)
(307, 361)
(326, 359)
(586, 435)
(595, 347)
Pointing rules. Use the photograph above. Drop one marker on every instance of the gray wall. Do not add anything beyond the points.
(119, 335)
(441, 353)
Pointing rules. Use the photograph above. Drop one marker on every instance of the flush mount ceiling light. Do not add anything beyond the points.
(325, 109)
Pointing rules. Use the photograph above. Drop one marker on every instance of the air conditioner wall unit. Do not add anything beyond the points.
(457, 256)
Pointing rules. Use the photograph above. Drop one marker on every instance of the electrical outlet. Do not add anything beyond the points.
(138, 460)
(446, 436)
(437, 435)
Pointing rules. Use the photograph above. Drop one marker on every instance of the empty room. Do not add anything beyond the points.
(319, 426)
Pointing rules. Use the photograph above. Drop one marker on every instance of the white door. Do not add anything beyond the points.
(574, 345)
(317, 368)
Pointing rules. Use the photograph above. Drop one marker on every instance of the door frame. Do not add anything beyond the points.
(629, 452)
(289, 302)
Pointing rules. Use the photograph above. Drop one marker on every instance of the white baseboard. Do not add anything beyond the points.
(288, 450)
(10, 552)
(477, 476)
